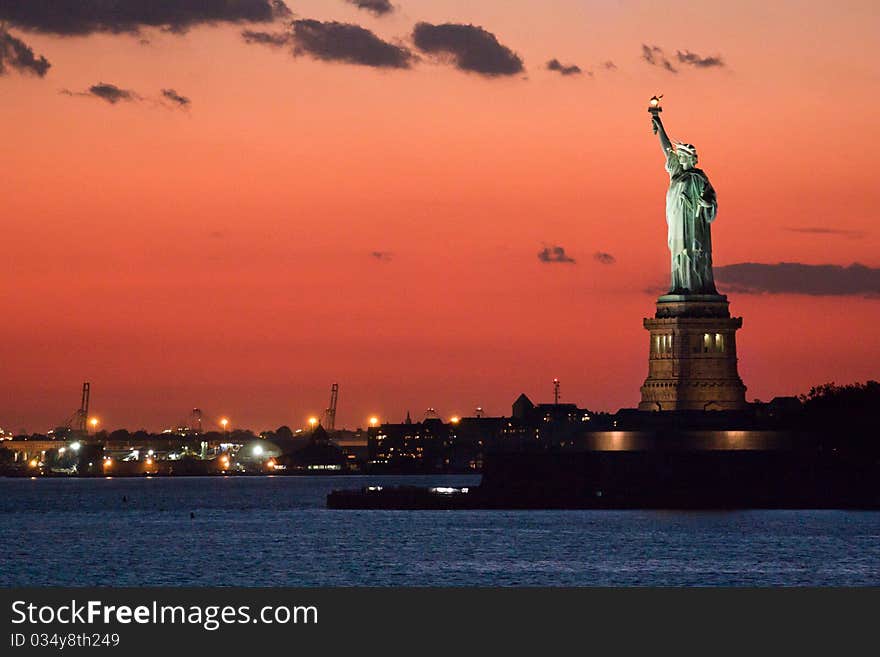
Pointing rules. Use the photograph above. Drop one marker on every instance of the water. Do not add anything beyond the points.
(275, 531)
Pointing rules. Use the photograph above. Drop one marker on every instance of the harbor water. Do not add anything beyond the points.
(275, 531)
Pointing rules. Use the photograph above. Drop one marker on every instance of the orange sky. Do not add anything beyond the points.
(220, 257)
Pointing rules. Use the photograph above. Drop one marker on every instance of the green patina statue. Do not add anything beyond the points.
(691, 207)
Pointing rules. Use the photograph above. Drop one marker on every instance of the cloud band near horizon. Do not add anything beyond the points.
(798, 278)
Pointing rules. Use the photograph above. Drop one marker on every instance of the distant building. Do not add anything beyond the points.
(353, 444)
(461, 444)
(319, 455)
(552, 425)
(413, 446)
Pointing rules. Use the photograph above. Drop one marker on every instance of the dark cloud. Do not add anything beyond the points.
(114, 94)
(604, 258)
(344, 42)
(17, 55)
(820, 230)
(554, 254)
(693, 59)
(382, 256)
(570, 69)
(109, 92)
(275, 39)
(608, 65)
(798, 278)
(472, 48)
(377, 7)
(655, 56)
(77, 17)
(176, 98)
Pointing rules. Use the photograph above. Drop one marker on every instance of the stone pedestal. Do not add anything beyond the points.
(692, 356)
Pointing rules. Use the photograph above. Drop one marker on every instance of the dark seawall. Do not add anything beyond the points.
(791, 471)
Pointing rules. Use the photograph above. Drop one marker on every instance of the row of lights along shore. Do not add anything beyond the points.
(313, 421)
(107, 462)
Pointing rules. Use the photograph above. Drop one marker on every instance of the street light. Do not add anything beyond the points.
(224, 423)
(313, 422)
(94, 423)
(374, 421)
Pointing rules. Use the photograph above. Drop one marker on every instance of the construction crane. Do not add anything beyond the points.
(82, 415)
(330, 413)
(77, 423)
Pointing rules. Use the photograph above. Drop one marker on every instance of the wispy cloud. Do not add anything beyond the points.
(555, 254)
(563, 69)
(655, 56)
(15, 54)
(604, 258)
(107, 92)
(823, 230)
(376, 7)
(175, 98)
(693, 59)
(275, 39)
(115, 94)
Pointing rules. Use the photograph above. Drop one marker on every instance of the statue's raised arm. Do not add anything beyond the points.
(660, 131)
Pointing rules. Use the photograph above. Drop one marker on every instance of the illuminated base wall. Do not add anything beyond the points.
(692, 356)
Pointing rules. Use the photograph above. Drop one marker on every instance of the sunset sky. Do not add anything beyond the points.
(318, 204)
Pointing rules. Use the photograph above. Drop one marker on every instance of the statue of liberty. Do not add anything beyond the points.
(691, 207)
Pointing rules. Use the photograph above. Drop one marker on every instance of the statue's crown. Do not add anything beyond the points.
(690, 149)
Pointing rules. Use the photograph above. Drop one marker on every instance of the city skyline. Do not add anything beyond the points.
(429, 232)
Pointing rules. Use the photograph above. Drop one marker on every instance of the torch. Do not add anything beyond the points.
(655, 109)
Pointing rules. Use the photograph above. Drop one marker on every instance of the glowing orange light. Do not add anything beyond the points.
(313, 421)
(94, 422)
(33, 463)
(224, 423)
(270, 463)
(455, 419)
(374, 421)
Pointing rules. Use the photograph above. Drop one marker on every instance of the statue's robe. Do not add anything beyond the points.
(688, 221)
